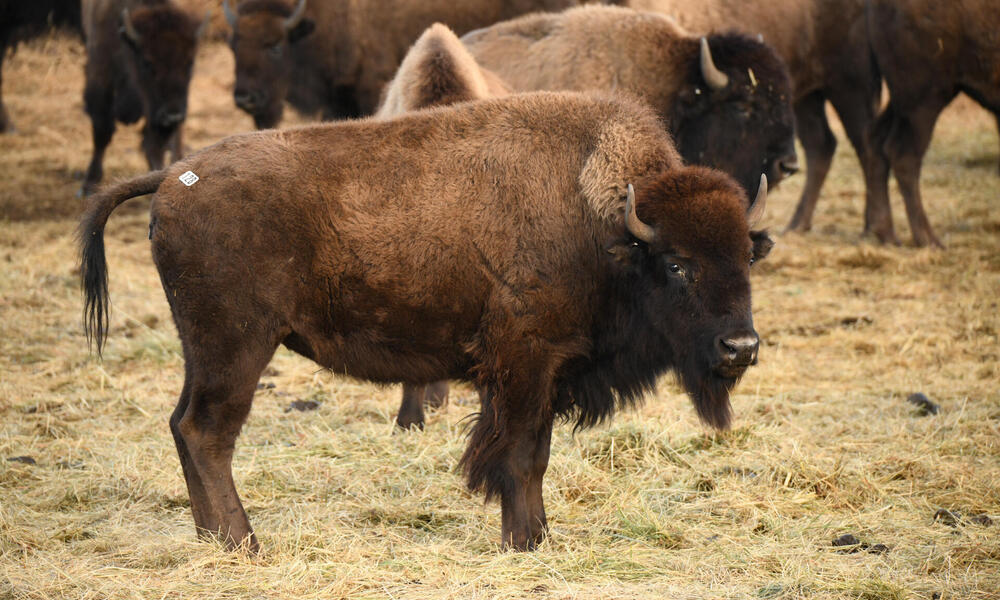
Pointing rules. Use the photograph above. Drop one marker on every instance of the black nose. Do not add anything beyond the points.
(248, 101)
(169, 117)
(739, 350)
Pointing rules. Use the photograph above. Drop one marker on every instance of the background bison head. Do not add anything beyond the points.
(735, 108)
(687, 262)
(161, 42)
(264, 32)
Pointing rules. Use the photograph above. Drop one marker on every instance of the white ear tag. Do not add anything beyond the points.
(188, 178)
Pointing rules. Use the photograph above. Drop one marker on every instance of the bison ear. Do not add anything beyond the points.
(762, 244)
(624, 253)
(304, 28)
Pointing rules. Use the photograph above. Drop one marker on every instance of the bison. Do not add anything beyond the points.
(140, 54)
(497, 241)
(825, 45)
(726, 99)
(928, 52)
(333, 57)
(20, 21)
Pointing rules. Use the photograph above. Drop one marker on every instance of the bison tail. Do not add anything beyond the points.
(93, 266)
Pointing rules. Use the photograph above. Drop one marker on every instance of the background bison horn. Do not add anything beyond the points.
(292, 21)
(635, 225)
(230, 15)
(756, 210)
(715, 78)
(129, 28)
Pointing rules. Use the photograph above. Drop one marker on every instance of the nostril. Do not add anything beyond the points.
(740, 348)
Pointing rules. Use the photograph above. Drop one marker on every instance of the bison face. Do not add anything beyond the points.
(735, 113)
(262, 39)
(161, 42)
(690, 256)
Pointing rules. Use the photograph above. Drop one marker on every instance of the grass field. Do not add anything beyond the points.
(650, 505)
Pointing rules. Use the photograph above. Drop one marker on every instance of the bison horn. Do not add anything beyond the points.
(129, 28)
(633, 224)
(756, 210)
(231, 17)
(715, 78)
(292, 21)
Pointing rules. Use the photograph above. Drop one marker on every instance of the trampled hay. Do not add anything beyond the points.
(650, 505)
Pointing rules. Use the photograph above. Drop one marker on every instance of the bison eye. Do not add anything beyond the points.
(675, 268)
(275, 51)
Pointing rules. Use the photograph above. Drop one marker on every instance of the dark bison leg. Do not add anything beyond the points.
(857, 110)
(154, 145)
(522, 509)
(99, 103)
(907, 142)
(200, 504)
(507, 456)
(176, 144)
(221, 377)
(819, 144)
(437, 394)
(411, 408)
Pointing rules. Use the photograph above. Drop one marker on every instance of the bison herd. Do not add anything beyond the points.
(558, 207)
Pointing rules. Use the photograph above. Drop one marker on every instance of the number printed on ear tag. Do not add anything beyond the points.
(188, 178)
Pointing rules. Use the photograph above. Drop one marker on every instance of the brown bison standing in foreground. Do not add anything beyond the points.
(726, 100)
(496, 241)
(825, 45)
(140, 54)
(928, 53)
(333, 57)
(21, 20)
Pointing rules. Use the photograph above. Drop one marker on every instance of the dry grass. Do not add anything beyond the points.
(648, 506)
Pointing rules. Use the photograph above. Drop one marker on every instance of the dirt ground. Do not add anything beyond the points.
(93, 503)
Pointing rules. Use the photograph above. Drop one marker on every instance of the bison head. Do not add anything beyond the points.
(264, 32)
(161, 42)
(688, 252)
(735, 111)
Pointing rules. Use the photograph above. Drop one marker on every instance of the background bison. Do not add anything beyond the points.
(333, 57)
(569, 300)
(825, 45)
(928, 52)
(726, 100)
(21, 20)
(140, 54)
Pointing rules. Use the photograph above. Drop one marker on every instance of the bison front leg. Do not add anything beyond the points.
(507, 456)
(98, 100)
(154, 144)
(819, 144)
(522, 509)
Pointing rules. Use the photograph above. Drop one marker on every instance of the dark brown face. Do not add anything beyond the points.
(161, 43)
(744, 127)
(694, 281)
(262, 42)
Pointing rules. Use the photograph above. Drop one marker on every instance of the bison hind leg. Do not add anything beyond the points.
(221, 377)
